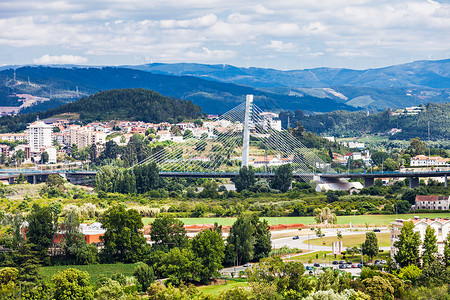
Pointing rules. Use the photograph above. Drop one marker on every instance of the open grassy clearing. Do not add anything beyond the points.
(95, 271)
(384, 240)
(219, 288)
(371, 220)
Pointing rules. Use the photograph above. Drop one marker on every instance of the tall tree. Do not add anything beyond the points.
(40, 230)
(263, 245)
(209, 249)
(242, 238)
(283, 178)
(167, 233)
(408, 245)
(245, 179)
(123, 239)
(429, 246)
(447, 251)
(370, 245)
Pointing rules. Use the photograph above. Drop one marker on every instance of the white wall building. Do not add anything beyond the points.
(40, 136)
(432, 202)
(440, 226)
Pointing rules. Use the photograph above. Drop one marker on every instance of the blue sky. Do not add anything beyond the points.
(280, 34)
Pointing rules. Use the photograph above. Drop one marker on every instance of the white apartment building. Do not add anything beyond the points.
(432, 202)
(81, 136)
(440, 226)
(426, 161)
(40, 136)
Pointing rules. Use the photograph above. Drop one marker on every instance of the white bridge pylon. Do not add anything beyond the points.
(243, 136)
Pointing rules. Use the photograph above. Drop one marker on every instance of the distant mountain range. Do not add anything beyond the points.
(67, 84)
(217, 88)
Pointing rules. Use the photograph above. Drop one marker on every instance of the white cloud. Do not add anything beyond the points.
(63, 60)
(237, 31)
(280, 46)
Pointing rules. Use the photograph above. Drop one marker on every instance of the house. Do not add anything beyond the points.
(440, 226)
(426, 161)
(432, 202)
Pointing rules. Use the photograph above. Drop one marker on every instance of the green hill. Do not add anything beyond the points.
(121, 104)
(348, 124)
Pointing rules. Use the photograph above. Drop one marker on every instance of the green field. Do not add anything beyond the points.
(217, 289)
(354, 240)
(372, 220)
(95, 271)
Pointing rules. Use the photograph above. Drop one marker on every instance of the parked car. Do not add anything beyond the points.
(377, 262)
(335, 262)
(377, 230)
(317, 265)
(309, 268)
(247, 265)
(360, 265)
(383, 262)
(354, 266)
(341, 266)
(296, 237)
(349, 262)
(342, 262)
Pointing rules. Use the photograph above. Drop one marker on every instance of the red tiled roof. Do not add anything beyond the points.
(429, 198)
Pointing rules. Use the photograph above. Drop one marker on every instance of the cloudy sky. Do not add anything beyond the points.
(281, 34)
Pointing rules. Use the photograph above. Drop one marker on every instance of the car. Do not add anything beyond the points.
(317, 265)
(354, 266)
(341, 266)
(377, 230)
(247, 265)
(335, 262)
(296, 237)
(342, 262)
(360, 265)
(309, 268)
(377, 262)
(383, 262)
(349, 262)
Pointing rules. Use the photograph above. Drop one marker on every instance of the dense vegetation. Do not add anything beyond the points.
(127, 104)
(130, 104)
(345, 123)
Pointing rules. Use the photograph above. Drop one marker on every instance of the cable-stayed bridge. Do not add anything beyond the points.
(243, 136)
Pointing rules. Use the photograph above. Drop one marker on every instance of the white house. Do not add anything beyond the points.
(440, 226)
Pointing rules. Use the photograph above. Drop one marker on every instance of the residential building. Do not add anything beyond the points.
(432, 202)
(40, 136)
(440, 226)
(4, 150)
(428, 161)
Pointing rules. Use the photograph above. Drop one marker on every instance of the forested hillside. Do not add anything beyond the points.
(68, 84)
(127, 104)
(346, 124)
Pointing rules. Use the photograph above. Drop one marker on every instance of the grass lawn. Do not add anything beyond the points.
(353, 240)
(95, 271)
(217, 289)
(372, 220)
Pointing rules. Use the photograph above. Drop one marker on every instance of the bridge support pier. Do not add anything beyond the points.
(368, 181)
(413, 182)
(11, 180)
(34, 179)
(445, 181)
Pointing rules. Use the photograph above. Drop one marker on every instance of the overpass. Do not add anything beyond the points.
(36, 176)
